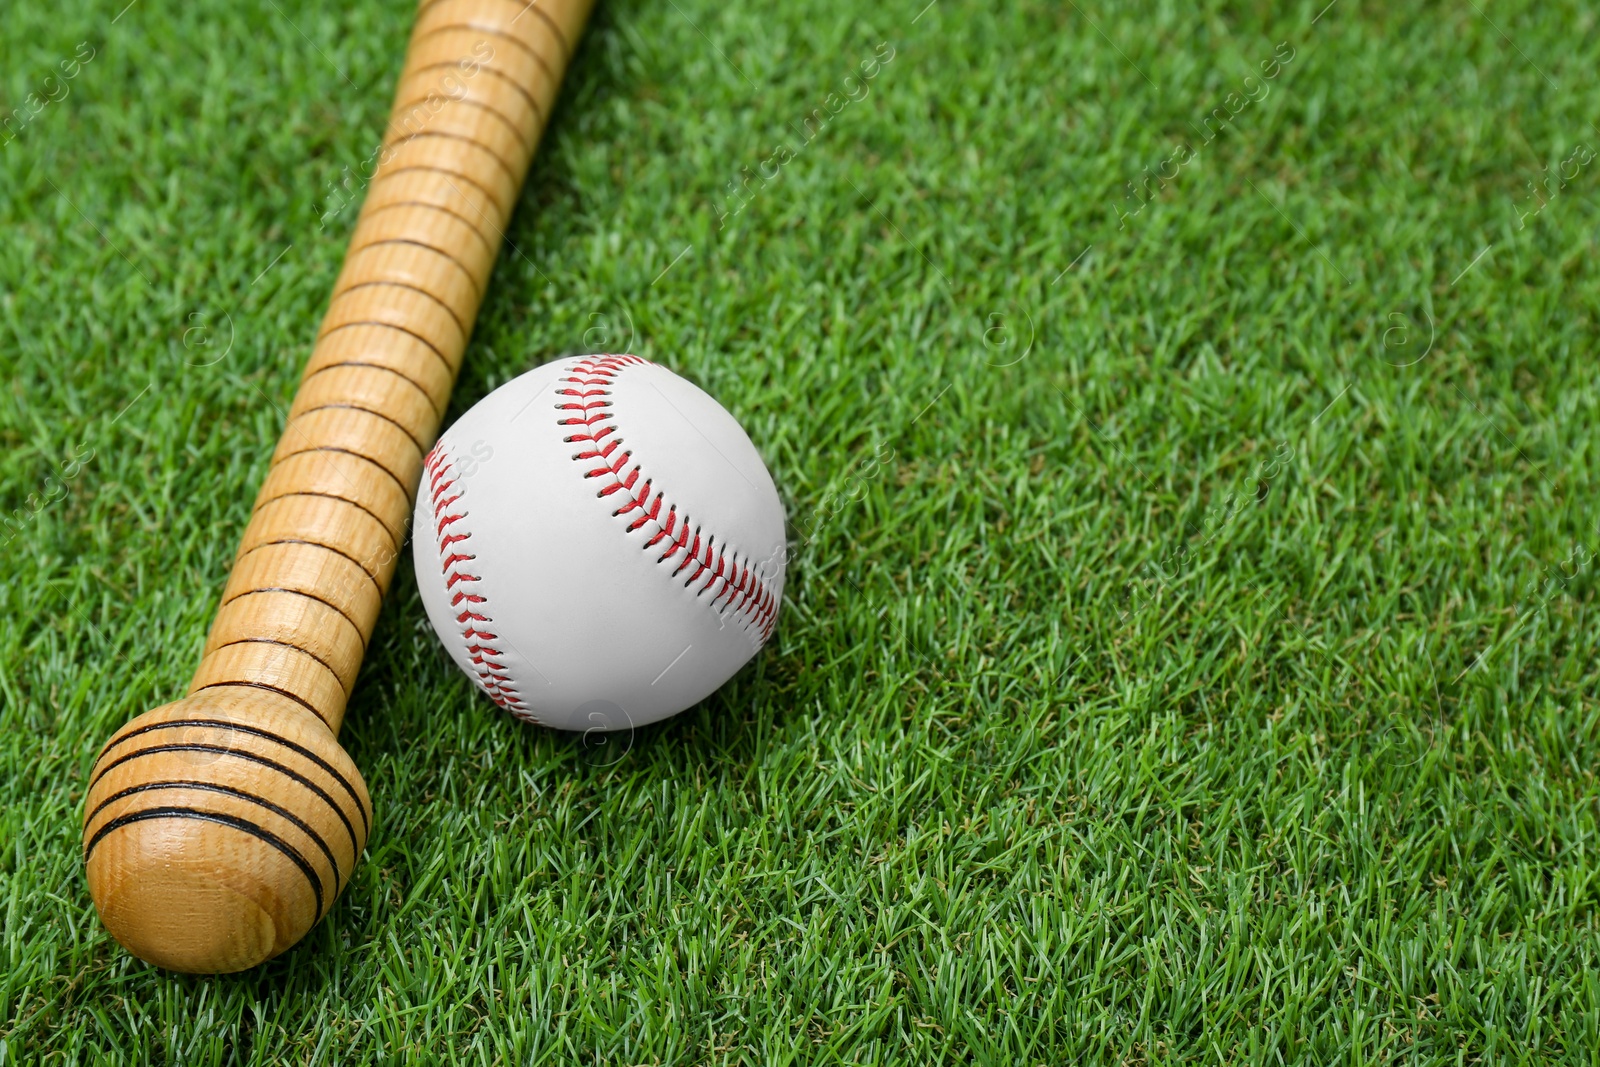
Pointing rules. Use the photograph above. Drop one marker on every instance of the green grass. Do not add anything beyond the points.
(1192, 684)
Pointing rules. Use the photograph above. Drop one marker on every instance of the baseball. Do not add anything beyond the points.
(598, 544)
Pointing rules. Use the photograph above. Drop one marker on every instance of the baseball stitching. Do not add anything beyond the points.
(743, 594)
(470, 600)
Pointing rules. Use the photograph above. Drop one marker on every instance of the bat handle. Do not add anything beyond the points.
(220, 828)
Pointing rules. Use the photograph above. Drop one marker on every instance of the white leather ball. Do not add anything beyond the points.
(598, 544)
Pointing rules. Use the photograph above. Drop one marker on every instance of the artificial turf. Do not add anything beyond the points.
(1189, 644)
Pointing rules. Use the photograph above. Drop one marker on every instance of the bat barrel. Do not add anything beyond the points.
(220, 828)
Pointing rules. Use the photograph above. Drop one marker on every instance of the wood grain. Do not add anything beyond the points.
(218, 829)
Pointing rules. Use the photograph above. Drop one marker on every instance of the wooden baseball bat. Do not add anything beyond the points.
(218, 829)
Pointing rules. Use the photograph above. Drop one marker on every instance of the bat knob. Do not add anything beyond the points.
(218, 829)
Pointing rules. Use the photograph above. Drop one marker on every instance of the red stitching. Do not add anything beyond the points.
(493, 676)
(589, 379)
